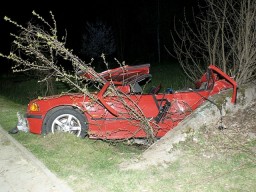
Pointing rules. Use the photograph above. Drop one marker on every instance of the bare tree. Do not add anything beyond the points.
(98, 38)
(223, 34)
(38, 48)
(158, 32)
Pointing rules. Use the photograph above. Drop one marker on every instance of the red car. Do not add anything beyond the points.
(109, 117)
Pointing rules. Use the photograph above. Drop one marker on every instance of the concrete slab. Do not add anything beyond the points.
(21, 171)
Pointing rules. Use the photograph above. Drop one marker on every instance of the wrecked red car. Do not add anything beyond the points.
(108, 118)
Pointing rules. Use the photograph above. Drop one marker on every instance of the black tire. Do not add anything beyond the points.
(67, 120)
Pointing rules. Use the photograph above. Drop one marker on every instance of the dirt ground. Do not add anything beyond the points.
(237, 123)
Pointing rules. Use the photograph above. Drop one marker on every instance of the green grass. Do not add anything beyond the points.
(21, 89)
(93, 165)
(8, 110)
(169, 75)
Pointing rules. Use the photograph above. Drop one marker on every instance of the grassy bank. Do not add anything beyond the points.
(93, 165)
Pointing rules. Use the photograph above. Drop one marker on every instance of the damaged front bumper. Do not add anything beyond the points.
(22, 125)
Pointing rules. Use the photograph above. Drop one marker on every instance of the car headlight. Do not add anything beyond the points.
(33, 107)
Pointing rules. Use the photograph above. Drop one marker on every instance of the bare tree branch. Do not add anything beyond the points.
(223, 34)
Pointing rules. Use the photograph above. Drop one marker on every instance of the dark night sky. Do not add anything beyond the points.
(136, 17)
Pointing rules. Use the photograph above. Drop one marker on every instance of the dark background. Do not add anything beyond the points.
(134, 23)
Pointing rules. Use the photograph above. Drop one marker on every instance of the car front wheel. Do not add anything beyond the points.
(67, 120)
